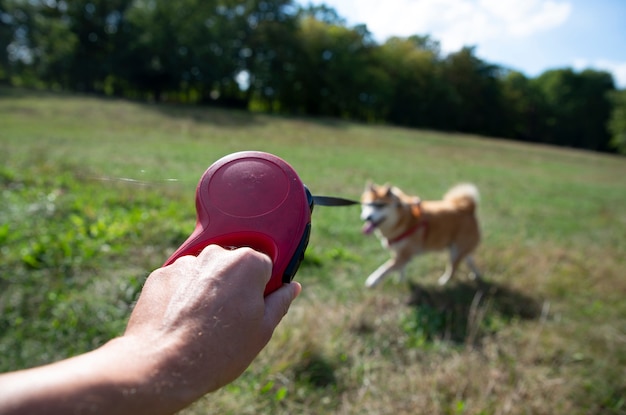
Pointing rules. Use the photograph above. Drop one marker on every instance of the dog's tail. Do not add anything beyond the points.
(464, 195)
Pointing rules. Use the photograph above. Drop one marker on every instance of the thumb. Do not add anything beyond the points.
(277, 303)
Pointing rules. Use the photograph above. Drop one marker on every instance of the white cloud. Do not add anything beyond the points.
(523, 18)
(455, 23)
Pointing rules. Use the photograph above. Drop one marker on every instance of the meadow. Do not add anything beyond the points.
(97, 193)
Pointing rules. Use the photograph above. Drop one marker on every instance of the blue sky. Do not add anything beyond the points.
(531, 36)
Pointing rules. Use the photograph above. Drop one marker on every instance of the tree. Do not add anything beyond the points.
(17, 21)
(54, 47)
(476, 104)
(95, 25)
(524, 107)
(578, 107)
(6, 37)
(67, 44)
(267, 30)
(617, 121)
(158, 55)
(333, 72)
(418, 95)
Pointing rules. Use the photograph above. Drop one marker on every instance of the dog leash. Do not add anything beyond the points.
(333, 201)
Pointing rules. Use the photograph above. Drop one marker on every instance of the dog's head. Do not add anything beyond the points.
(379, 206)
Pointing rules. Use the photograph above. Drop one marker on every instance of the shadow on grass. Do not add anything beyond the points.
(208, 114)
(465, 312)
(236, 117)
(316, 370)
(221, 113)
(16, 93)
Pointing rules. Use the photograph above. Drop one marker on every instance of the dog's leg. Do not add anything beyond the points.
(383, 271)
(451, 266)
(446, 275)
(380, 273)
(402, 274)
(475, 273)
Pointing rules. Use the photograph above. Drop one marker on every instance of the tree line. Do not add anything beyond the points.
(277, 56)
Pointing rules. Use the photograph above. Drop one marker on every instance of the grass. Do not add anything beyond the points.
(545, 333)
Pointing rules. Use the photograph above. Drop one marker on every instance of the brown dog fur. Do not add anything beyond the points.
(408, 226)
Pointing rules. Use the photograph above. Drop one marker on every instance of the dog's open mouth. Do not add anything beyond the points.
(370, 225)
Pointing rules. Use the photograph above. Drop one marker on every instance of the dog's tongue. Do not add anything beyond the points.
(368, 227)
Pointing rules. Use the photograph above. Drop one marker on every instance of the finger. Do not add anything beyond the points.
(244, 267)
(277, 303)
(211, 250)
(261, 262)
(257, 261)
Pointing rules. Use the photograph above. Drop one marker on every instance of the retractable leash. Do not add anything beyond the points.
(255, 199)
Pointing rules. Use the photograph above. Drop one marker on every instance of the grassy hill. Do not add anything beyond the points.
(96, 193)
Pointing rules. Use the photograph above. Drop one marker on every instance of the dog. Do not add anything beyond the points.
(408, 226)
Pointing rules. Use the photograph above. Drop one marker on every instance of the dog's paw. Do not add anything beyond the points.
(372, 281)
(475, 277)
(370, 284)
(443, 280)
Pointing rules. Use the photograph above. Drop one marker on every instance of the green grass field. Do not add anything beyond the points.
(545, 333)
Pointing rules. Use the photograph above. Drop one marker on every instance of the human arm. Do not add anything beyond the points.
(197, 326)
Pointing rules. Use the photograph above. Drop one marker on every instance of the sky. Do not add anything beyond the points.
(530, 36)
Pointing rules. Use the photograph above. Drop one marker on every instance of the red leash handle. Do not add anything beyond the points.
(253, 199)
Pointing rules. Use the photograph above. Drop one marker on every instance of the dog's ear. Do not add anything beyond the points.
(370, 186)
(416, 206)
(388, 190)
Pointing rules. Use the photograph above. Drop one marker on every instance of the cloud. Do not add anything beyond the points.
(522, 18)
(455, 23)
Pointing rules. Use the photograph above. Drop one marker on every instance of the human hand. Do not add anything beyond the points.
(209, 314)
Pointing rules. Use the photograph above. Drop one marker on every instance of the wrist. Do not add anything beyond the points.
(124, 376)
(153, 371)
(142, 375)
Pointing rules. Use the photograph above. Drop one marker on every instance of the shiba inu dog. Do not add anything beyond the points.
(408, 226)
